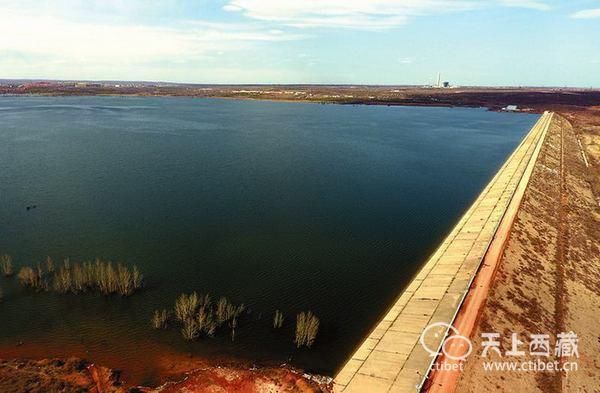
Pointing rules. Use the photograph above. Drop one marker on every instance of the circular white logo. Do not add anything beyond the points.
(452, 341)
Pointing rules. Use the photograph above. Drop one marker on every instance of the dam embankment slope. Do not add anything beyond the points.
(391, 358)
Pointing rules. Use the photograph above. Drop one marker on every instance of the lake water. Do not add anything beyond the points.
(290, 206)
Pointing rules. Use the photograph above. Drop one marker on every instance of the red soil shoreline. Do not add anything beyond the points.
(76, 375)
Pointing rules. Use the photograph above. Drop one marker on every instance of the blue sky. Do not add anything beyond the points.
(471, 42)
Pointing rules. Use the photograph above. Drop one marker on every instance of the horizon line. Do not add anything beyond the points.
(224, 84)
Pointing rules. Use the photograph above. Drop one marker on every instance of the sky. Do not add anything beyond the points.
(470, 42)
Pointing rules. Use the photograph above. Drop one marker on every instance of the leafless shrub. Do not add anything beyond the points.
(190, 330)
(63, 280)
(29, 277)
(227, 311)
(206, 319)
(6, 265)
(124, 280)
(307, 326)
(49, 265)
(137, 278)
(99, 276)
(160, 319)
(186, 306)
(278, 319)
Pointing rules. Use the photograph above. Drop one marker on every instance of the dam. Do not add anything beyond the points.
(391, 358)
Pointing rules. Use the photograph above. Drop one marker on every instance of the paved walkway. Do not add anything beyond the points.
(391, 359)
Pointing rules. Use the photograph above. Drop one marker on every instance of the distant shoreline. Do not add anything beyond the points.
(534, 100)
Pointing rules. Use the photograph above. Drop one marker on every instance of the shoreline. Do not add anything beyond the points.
(76, 375)
(529, 100)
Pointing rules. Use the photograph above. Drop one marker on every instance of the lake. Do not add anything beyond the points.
(289, 206)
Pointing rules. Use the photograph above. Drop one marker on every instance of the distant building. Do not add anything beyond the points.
(510, 108)
(441, 84)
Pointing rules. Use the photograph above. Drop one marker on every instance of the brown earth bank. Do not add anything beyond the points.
(548, 280)
(76, 375)
(529, 98)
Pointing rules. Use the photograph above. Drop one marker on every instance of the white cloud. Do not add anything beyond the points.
(359, 14)
(356, 14)
(587, 14)
(532, 4)
(406, 60)
(68, 41)
(232, 8)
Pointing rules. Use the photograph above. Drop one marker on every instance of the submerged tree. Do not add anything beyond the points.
(186, 306)
(137, 278)
(190, 329)
(77, 277)
(307, 327)
(160, 319)
(29, 277)
(227, 311)
(63, 281)
(198, 315)
(6, 265)
(278, 319)
(49, 265)
(124, 280)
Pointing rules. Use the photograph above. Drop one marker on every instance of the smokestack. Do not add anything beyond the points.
(439, 81)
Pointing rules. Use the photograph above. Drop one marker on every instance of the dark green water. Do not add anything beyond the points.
(278, 205)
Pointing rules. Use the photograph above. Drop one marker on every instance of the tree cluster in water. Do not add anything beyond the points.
(6, 265)
(97, 276)
(197, 315)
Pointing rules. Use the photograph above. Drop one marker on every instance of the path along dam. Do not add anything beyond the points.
(392, 358)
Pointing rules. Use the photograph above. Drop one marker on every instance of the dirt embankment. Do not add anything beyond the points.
(548, 281)
(55, 375)
(75, 376)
